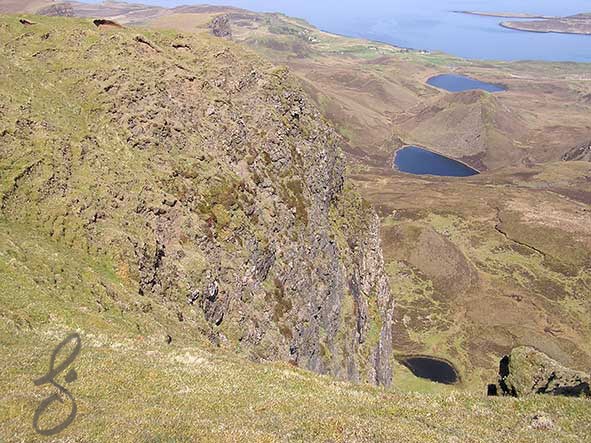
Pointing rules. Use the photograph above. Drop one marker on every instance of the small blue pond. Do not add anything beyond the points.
(419, 161)
(459, 83)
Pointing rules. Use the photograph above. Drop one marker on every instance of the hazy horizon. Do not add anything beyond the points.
(387, 6)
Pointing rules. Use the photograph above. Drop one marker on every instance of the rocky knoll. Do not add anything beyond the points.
(581, 152)
(465, 125)
(220, 26)
(207, 183)
(527, 371)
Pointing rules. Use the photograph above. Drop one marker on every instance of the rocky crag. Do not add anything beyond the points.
(527, 371)
(205, 182)
(581, 152)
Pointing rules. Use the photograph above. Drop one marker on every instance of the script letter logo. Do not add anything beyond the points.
(49, 378)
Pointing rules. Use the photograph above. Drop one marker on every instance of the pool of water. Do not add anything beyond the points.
(459, 83)
(432, 369)
(419, 161)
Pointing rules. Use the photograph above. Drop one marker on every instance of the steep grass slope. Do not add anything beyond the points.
(137, 389)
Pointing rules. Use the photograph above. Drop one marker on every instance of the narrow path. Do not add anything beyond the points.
(500, 231)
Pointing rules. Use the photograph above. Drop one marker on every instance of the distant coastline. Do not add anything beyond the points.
(579, 24)
(508, 15)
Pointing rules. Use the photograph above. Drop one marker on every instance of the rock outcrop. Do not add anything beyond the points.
(220, 26)
(581, 152)
(527, 371)
(209, 183)
(58, 10)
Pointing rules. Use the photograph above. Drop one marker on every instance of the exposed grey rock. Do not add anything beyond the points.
(527, 371)
(581, 152)
(542, 422)
(220, 26)
(238, 219)
(58, 9)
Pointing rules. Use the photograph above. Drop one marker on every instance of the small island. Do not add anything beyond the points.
(574, 24)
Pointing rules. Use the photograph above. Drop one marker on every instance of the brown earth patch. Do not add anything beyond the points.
(576, 194)
(440, 260)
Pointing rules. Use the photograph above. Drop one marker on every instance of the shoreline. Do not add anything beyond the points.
(528, 18)
(423, 51)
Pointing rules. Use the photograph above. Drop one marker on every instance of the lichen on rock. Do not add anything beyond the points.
(527, 371)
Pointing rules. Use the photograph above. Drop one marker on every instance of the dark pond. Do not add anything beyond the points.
(419, 161)
(432, 369)
(459, 83)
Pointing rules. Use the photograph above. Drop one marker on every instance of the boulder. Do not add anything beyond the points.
(527, 371)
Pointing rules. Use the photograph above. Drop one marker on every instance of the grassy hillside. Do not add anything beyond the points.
(465, 125)
(461, 254)
(133, 388)
(367, 89)
(484, 264)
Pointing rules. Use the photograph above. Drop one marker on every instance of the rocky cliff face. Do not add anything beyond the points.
(207, 181)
